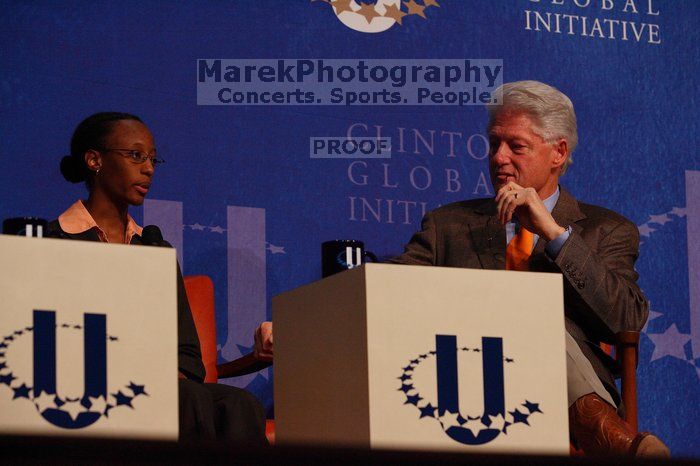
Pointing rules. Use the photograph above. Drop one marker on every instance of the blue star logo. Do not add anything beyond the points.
(406, 388)
(519, 417)
(122, 399)
(532, 407)
(21, 392)
(137, 389)
(427, 411)
(7, 379)
(69, 413)
(412, 399)
(464, 428)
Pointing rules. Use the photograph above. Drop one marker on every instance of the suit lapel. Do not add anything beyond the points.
(489, 236)
(566, 212)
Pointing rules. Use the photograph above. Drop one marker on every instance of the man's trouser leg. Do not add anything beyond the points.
(593, 419)
(580, 377)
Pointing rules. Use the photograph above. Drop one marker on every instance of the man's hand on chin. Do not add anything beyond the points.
(531, 211)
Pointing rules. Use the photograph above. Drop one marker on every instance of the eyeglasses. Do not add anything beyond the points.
(136, 156)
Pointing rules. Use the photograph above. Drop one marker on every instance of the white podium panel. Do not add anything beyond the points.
(393, 356)
(88, 339)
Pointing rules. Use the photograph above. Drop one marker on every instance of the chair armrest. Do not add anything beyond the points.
(244, 365)
(627, 355)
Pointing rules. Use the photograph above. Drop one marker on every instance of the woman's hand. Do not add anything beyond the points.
(263, 342)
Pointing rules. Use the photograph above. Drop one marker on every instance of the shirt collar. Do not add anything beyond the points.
(551, 201)
(77, 219)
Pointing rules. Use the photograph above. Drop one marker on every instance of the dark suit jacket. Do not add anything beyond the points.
(189, 353)
(601, 296)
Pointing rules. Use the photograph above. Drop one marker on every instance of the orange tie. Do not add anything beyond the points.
(519, 250)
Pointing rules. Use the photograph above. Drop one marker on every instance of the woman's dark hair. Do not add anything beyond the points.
(90, 134)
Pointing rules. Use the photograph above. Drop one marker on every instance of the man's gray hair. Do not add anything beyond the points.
(551, 111)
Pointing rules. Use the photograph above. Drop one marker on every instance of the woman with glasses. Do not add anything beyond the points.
(115, 155)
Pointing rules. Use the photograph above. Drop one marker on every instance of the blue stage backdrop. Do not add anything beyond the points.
(244, 201)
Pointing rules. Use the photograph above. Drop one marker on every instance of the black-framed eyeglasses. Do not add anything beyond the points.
(136, 156)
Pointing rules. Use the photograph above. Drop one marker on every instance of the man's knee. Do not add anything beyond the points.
(196, 408)
(193, 394)
(240, 415)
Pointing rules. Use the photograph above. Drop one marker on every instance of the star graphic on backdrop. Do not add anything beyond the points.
(431, 3)
(404, 377)
(2, 354)
(341, 6)
(415, 9)
(122, 399)
(477, 350)
(137, 389)
(415, 361)
(7, 379)
(431, 352)
(113, 338)
(44, 401)
(645, 230)
(652, 315)
(497, 422)
(394, 12)
(423, 356)
(661, 219)
(9, 338)
(412, 399)
(509, 359)
(669, 343)
(21, 392)
(18, 332)
(3, 366)
(449, 419)
(532, 407)
(197, 227)
(73, 408)
(98, 404)
(368, 12)
(427, 411)
(519, 417)
(678, 211)
(275, 249)
(474, 425)
(408, 368)
(78, 327)
(65, 325)
(217, 229)
(3, 345)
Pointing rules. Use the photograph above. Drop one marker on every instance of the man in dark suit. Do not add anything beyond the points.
(533, 224)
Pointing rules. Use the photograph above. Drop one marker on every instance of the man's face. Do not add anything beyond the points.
(518, 154)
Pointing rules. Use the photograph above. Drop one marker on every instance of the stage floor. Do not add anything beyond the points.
(55, 450)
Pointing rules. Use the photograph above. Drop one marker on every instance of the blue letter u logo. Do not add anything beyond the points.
(448, 390)
(95, 363)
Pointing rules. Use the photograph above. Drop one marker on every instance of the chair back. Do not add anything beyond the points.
(200, 293)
